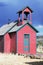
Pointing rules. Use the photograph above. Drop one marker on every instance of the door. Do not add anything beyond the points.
(26, 42)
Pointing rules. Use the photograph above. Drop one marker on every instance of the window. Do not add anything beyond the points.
(26, 35)
(26, 42)
(25, 49)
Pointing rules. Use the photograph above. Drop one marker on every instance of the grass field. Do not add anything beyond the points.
(11, 59)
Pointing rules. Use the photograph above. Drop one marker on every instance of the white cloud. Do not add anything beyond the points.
(39, 26)
(40, 29)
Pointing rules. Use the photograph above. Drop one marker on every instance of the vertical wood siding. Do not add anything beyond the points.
(20, 37)
(10, 43)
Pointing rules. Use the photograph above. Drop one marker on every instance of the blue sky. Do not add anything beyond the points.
(40, 29)
(8, 9)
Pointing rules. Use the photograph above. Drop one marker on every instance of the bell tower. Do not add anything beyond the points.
(25, 12)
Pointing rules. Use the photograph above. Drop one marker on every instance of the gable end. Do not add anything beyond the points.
(30, 26)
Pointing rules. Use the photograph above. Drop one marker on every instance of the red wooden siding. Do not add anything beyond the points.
(13, 42)
(20, 40)
(10, 43)
(7, 42)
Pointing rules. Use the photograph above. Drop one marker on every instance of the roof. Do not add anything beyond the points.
(16, 28)
(5, 28)
(20, 11)
(12, 27)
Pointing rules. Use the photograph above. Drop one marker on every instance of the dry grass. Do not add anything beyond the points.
(11, 59)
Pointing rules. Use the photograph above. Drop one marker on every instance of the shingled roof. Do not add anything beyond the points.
(17, 28)
(12, 27)
(5, 28)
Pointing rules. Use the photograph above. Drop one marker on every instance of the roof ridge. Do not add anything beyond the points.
(16, 28)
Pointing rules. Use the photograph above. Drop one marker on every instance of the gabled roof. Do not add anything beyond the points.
(5, 28)
(12, 27)
(20, 11)
(17, 28)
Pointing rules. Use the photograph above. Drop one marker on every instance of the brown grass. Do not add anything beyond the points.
(11, 59)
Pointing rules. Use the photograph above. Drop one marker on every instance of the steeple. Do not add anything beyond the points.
(25, 12)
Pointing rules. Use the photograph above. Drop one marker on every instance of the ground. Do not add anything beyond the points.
(11, 59)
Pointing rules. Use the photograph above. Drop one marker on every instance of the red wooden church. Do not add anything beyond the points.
(19, 36)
